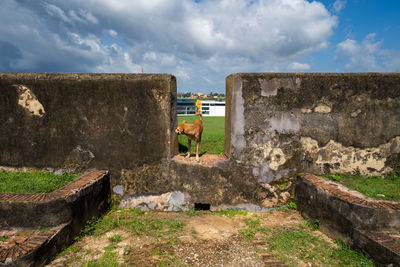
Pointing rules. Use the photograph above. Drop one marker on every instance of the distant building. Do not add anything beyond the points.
(207, 107)
(198, 95)
(212, 108)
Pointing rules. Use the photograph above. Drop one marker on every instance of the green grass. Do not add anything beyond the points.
(33, 181)
(297, 245)
(230, 212)
(213, 137)
(388, 186)
(136, 223)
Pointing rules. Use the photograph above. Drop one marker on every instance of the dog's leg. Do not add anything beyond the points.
(189, 147)
(197, 151)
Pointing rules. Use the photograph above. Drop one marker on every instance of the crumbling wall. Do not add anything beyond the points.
(276, 125)
(81, 121)
(281, 124)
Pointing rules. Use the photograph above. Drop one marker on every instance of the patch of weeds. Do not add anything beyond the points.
(283, 183)
(194, 234)
(115, 239)
(138, 225)
(191, 212)
(231, 212)
(313, 225)
(271, 211)
(72, 259)
(70, 249)
(172, 241)
(283, 209)
(175, 226)
(132, 211)
(88, 251)
(349, 257)
(292, 205)
(3, 238)
(296, 245)
(109, 258)
(113, 202)
(90, 227)
(169, 259)
(248, 233)
(333, 177)
(253, 227)
(44, 229)
(155, 252)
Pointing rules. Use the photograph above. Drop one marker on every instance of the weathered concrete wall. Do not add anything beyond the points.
(105, 121)
(276, 125)
(280, 124)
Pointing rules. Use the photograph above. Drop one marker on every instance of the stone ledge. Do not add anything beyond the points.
(354, 197)
(64, 211)
(57, 207)
(367, 224)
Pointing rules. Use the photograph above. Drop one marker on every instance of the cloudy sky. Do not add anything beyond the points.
(199, 41)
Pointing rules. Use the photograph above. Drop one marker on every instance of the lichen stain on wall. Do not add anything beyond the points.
(336, 158)
(28, 100)
(266, 162)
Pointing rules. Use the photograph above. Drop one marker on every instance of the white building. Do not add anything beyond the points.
(187, 107)
(212, 108)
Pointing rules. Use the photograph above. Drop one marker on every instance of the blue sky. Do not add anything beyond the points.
(200, 42)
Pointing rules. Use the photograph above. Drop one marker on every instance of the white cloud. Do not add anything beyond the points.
(112, 33)
(193, 40)
(299, 66)
(338, 5)
(364, 56)
(56, 11)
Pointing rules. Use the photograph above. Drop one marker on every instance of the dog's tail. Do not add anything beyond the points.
(201, 116)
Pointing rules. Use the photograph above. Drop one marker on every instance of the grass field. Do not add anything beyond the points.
(33, 181)
(213, 138)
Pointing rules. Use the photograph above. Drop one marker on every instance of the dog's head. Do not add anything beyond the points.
(181, 128)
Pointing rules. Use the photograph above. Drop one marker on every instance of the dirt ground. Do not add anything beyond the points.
(207, 239)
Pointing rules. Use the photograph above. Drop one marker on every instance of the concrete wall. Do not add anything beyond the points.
(280, 124)
(80, 121)
(276, 125)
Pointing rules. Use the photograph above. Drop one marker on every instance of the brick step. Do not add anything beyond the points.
(383, 245)
(16, 243)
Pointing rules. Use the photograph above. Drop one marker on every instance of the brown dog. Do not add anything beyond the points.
(193, 132)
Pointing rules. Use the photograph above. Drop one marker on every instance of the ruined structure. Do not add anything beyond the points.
(276, 125)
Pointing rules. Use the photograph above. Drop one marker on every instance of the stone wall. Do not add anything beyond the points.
(280, 124)
(276, 125)
(81, 121)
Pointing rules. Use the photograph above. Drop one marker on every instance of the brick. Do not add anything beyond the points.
(4, 254)
(19, 239)
(25, 249)
(16, 253)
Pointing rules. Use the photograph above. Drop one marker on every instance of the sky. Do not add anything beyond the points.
(199, 41)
